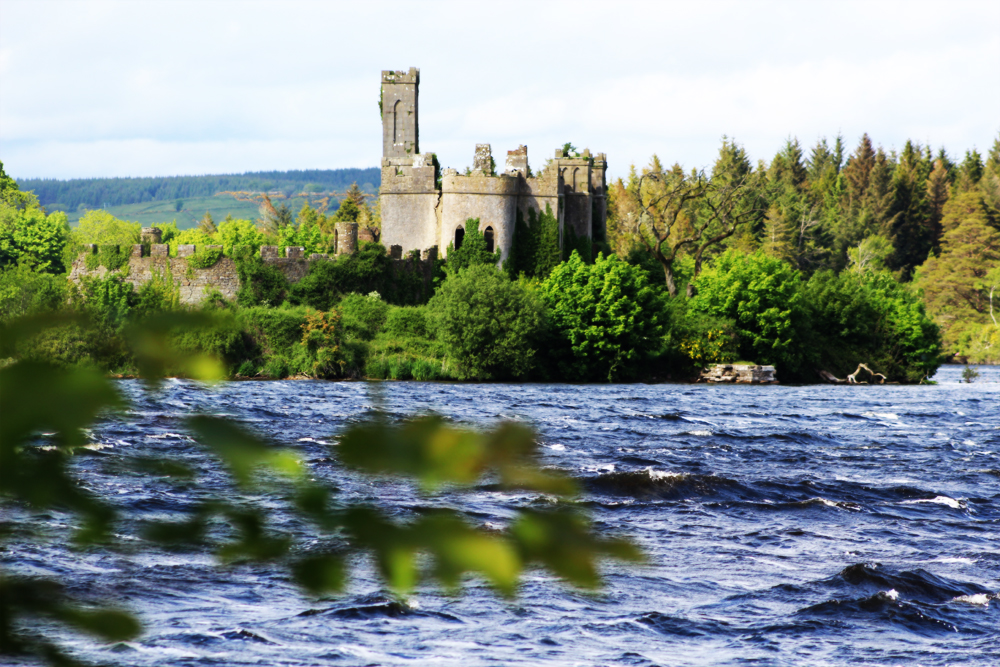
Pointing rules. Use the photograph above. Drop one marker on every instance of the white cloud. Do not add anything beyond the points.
(112, 88)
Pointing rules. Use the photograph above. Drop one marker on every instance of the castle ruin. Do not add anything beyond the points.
(424, 207)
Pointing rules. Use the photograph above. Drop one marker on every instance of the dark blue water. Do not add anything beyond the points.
(785, 526)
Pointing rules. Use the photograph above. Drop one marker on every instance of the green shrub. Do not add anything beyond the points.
(204, 258)
(535, 251)
(695, 340)
(473, 251)
(363, 315)
(870, 318)
(30, 236)
(260, 284)
(274, 330)
(159, 294)
(488, 323)
(606, 320)
(108, 301)
(403, 321)
(25, 291)
(368, 270)
(223, 338)
(762, 295)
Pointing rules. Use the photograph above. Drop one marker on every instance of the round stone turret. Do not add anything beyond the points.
(151, 235)
(347, 238)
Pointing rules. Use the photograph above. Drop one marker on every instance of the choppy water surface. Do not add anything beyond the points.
(785, 526)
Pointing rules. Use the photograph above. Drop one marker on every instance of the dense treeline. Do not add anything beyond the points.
(811, 264)
(94, 193)
(929, 221)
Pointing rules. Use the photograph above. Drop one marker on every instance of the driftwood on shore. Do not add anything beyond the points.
(853, 377)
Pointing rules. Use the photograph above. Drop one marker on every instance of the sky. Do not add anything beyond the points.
(153, 88)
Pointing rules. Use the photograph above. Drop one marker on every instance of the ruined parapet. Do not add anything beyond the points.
(150, 235)
(185, 250)
(482, 160)
(493, 200)
(318, 256)
(293, 265)
(739, 374)
(517, 161)
(396, 252)
(159, 250)
(347, 238)
(429, 254)
(137, 250)
(367, 234)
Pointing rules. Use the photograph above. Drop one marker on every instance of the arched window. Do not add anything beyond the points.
(488, 235)
(459, 237)
(397, 124)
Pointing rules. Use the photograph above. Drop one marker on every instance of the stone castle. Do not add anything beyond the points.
(425, 207)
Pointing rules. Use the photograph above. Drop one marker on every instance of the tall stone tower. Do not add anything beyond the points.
(399, 113)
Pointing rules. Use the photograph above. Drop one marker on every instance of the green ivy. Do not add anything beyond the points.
(473, 251)
(535, 250)
(111, 257)
(204, 258)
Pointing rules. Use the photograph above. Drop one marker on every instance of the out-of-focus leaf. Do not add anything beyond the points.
(424, 448)
(161, 468)
(435, 453)
(177, 533)
(242, 451)
(255, 543)
(392, 545)
(24, 328)
(109, 624)
(149, 341)
(21, 596)
(37, 397)
(563, 541)
(320, 573)
(458, 549)
(313, 501)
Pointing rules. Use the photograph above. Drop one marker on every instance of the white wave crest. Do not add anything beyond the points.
(979, 598)
(938, 500)
(880, 415)
(700, 433)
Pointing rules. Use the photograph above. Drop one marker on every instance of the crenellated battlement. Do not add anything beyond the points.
(399, 76)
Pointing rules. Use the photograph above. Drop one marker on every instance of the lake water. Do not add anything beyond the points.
(819, 525)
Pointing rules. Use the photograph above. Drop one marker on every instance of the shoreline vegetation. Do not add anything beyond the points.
(810, 264)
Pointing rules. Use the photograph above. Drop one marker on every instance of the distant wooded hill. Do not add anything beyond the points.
(92, 193)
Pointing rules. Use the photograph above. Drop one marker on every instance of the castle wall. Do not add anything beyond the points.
(153, 261)
(191, 282)
(492, 199)
(537, 193)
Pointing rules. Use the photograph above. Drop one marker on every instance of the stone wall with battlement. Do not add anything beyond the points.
(150, 261)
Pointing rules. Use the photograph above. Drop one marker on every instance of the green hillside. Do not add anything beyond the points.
(192, 210)
(187, 198)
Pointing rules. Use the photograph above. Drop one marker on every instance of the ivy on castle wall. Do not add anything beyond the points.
(111, 257)
(535, 251)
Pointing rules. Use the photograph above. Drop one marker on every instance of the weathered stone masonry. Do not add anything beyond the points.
(419, 213)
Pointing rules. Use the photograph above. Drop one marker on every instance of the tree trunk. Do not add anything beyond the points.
(668, 271)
